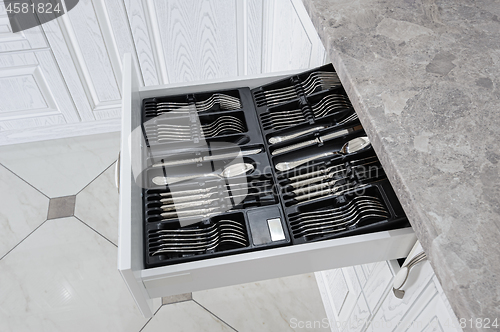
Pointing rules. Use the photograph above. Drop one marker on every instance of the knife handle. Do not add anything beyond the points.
(311, 189)
(314, 195)
(287, 165)
(277, 139)
(181, 199)
(295, 146)
(179, 162)
(326, 174)
(184, 205)
(191, 213)
(306, 182)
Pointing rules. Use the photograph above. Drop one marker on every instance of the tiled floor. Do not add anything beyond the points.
(58, 236)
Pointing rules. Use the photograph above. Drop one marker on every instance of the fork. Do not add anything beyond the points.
(226, 102)
(183, 132)
(320, 79)
(330, 104)
(197, 240)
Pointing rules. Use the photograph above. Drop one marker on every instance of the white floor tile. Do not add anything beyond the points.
(63, 277)
(97, 205)
(185, 317)
(22, 209)
(61, 167)
(282, 304)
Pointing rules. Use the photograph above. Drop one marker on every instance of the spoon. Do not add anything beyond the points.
(228, 172)
(352, 146)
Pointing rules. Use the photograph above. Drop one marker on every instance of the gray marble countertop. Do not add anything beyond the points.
(424, 77)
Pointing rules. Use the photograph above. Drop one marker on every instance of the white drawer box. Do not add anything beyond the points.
(147, 284)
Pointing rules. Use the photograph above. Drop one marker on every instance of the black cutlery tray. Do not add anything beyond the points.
(277, 201)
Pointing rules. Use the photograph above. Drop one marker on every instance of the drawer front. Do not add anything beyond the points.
(279, 262)
(146, 284)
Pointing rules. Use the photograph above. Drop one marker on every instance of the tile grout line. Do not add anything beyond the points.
(142, 328)
(92, 229)
(8, 252)
(29, 184)
(214, 314)
(88, 184)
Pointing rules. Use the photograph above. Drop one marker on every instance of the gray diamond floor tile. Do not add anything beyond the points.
(61, 207)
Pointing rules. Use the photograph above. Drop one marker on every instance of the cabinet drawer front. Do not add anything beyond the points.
(228, 270)
(275, 263)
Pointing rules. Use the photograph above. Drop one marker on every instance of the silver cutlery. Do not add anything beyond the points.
(193, 234)
(329, 104)
(197, 230)
(353, 221)
(241, 153)
(317, 140)
(228, 172)
(202, 213)
(327, 175)
(350, 118)
(282, 119)
(339, 216)
(327, 170)
(352, 146)
(402, 276)
(335, 189)
(205, 201)
(323, 80)
(250, 185)
(282, 138)
(289, 136)
(201, 248)
(198, 240)
(174, 132)
(315, 214)
(181, 243)
(322, 189)
(178, 198)
(226, 102)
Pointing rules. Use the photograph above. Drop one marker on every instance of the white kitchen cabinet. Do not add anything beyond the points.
(147, 284)
(424, 306)
(63, 78)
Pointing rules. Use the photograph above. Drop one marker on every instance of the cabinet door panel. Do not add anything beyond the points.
(376, 287)
(197, 38)
(24, 40)
(87, 41)
(32, 93)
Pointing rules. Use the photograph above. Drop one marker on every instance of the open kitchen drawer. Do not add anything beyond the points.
(146, 284)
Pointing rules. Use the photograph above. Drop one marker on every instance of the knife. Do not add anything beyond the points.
(316, 140)
(208, 158)
(277, 139)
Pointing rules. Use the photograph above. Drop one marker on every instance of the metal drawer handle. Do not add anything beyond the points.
(402, 275)
(117, 173)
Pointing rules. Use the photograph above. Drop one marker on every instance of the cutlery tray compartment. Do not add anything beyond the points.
(276, 194)
(369, 209)
(178, 122)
